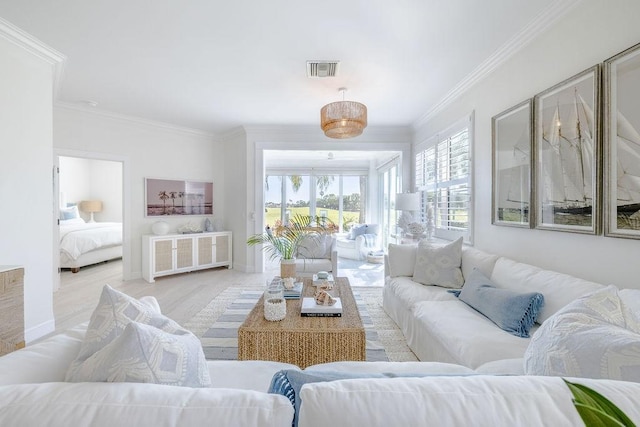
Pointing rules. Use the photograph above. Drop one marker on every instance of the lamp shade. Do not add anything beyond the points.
(343, 119)
(91, 206)
(408, 201)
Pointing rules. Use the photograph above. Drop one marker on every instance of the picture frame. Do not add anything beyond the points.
(166, 197)
(622, 142)
(567, 155)
(511, 149)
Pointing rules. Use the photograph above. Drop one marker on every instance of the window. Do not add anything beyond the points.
(443, 176)
(341, 197)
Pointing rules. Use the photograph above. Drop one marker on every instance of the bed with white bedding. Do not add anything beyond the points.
(85, 243)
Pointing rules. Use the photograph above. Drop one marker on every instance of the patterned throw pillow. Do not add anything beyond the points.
(593, 337)
(145, 354)
(114, 312)
(439, 265)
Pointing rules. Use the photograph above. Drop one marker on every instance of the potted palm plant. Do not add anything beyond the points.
(283, 242)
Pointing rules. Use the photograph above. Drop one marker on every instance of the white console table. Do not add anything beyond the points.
(180, 253)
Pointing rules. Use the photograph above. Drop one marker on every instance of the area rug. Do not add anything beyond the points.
(217, 324)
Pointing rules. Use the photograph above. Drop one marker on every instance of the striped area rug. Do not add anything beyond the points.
(217, 325)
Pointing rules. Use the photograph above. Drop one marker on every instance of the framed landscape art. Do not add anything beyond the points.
(171, 197)
(622, 142)
(567, 167)
(511, 150)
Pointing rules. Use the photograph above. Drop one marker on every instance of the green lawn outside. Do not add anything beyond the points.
(273, 214)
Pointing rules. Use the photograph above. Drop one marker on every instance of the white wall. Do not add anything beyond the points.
(26, 176)
(591, 33)
(147, 150)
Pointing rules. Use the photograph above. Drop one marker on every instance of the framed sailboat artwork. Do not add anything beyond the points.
(622, 142)
(511, 139)
(567, 158)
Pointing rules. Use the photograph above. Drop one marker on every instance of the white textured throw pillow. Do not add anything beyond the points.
(114, 312)
(439, 265)
(593, 337)
(402, 260)
(145, 354)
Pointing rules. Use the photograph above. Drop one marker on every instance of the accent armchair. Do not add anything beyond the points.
(317, 253)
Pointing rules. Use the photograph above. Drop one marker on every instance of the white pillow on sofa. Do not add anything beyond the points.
(439, 265)
(145, 354)
(114, 311)
(593, 337)
(402, 260)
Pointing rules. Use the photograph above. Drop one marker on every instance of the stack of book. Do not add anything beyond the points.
(309, 308)
(293, 293)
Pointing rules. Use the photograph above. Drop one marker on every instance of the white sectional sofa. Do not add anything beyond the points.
(440, 327)
(33, 393)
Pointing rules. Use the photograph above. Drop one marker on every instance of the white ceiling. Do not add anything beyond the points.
(214, 66)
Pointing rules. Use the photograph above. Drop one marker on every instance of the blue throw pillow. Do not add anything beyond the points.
(512, 311)
(357, 230)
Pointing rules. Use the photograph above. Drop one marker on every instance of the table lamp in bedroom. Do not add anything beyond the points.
(91, 206)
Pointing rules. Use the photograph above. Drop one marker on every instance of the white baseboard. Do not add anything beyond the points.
(39, 331)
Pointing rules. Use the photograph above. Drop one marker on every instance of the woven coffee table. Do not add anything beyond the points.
(305, 341)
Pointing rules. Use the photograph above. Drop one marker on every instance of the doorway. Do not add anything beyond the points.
(90, 198)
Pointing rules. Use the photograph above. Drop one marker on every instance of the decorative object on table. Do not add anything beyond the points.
(322, 275)
(622, 145)
(430, 226)
(91, 206)
(567, 152)
(160, 228)
(284, 243)
(310, 308)
(288, 282)
(323, 297)
(325, 286)
(178, 197)
(294, 292)
(512, 138)
(343, 119)
(275, 305)
(408, 203)
(189, 228)
(208, 226)
(318, 281)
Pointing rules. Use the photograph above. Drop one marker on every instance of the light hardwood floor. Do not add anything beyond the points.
(180, 296)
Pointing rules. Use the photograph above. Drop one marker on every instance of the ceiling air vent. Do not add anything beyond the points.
(322, 69)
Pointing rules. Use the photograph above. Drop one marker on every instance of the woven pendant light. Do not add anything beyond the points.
(343, 119)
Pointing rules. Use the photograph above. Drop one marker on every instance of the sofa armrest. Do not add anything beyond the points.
(386, 266)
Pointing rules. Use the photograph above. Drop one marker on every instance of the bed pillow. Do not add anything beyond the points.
(439, 265)
(592, 337)
(513, 312)
(145, 354)
(114, 311)
(70, 212)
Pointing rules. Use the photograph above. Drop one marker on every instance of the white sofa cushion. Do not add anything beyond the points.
(132, 404)
(439, 265)
(315, 246)
(475, 258)
(454, 401)
(399, 368)
(558, 289)
(145, 354)
(593, 337)
(453, 332)
(404, 259)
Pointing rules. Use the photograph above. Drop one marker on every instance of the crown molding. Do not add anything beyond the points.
(290, 133)
(530, 32)
(134, 120)
(35, 47)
